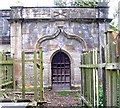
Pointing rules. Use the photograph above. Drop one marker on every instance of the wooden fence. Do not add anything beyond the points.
(8, 72)
(6, 69)
(100, 82)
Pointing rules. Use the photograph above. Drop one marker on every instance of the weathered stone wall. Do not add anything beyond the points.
(32, 31)
(4, 30)
(71, 29)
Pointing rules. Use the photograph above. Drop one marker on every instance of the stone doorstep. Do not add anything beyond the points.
(13, 105)
(22, 103)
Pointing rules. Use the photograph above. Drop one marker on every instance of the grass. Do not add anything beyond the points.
(64, 92)
(77, 95)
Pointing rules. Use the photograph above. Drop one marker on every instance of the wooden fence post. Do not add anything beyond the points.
(108, 72)
(119, 60)
(23, 75)
(119, 87)
(3, 67)
(82, 78)
(35, 77)
(14, 80)
(89, 76)
(92, 93)
(41, 77)
(104, 77)
(96, 76)
(9, 67)
(114, 77)
(94, 89)
(85, 75)
(1, 94)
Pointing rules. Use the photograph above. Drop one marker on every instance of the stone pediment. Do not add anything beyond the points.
(65, 34)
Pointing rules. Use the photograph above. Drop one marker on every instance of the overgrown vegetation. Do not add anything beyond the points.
(78, 3)
(64, 92)
(7, 85)
(84, 3)
(100, 96)
(114, 26)
(60, 3)
(77, 95)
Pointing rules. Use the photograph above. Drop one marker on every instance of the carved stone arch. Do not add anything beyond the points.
(63, 50)
(67, 35)
(76, 37)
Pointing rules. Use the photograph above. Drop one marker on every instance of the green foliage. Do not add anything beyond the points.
(100, 96)
(78, 3)
(77, 95)
(60, 3)
(64, 92)
(84, 3)
(7, 85)
(1, 94)
(113, 26)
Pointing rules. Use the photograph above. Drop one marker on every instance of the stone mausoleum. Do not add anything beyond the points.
(63, 33)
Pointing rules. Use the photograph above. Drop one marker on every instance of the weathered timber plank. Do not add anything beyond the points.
(41, 77)
(23, 75)
(96, 75)
(86, 102)
(89, 77)
(82, 78)
(106, 65)
(10, 62)
(93, 65)
(119, 86)
(118, 71)
(14, 78)
(94, 84)
(114, 88)
(7, 83)
(35, 77)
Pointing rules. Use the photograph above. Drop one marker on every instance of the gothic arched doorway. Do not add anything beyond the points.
(61, 71)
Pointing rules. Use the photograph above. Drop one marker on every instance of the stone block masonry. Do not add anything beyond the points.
(67, 29)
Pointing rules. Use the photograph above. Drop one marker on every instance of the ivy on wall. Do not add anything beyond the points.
(114, 26)
(79, 3)
(86, 3)
(60, 3)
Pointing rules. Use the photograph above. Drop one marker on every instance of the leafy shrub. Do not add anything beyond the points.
(100, 96)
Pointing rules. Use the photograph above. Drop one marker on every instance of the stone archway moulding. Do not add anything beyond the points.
(58, 31)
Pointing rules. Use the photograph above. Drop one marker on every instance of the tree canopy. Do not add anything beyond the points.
(80, 3)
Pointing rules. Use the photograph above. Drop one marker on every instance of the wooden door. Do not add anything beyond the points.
(61, 71)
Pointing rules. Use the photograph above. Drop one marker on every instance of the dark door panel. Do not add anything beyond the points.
(61, 72)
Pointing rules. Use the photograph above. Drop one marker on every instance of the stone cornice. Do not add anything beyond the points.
(5, 13)
(58, 12)
(80, 20)
(57, 7)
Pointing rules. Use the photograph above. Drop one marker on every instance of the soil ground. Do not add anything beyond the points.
(55, 99)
